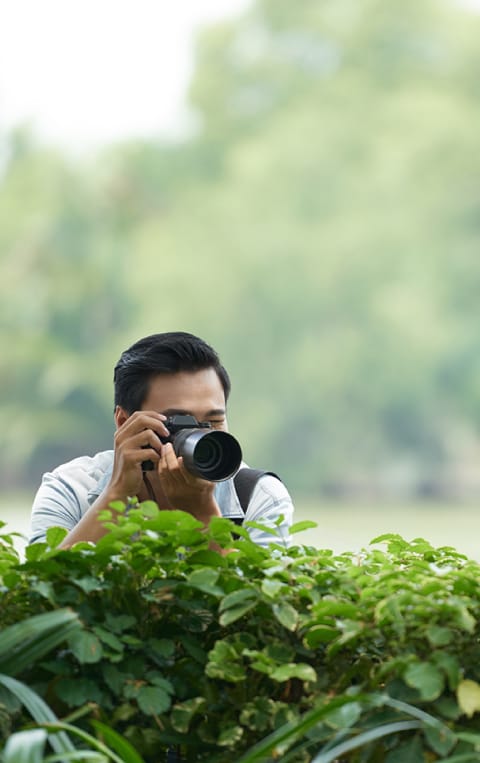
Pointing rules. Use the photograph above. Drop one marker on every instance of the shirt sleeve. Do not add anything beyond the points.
(270, 501)
(56, 504)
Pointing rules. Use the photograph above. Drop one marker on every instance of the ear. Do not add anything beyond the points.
(120, 416)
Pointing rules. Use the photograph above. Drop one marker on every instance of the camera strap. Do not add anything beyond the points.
(245, 481)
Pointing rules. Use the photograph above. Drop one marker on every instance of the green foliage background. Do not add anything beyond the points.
(320, 227)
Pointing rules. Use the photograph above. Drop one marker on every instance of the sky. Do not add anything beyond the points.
(84, 73)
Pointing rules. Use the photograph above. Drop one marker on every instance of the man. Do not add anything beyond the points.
(159, 376)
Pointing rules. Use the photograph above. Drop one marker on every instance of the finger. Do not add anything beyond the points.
(162, 462)
(160, 418)
(171, 460)
(144, 439)
(142, 447)
(144, 420)
(138, 456)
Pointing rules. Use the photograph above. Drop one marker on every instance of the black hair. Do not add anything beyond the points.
(167, 353)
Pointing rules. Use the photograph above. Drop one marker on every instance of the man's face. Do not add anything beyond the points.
(197, 393)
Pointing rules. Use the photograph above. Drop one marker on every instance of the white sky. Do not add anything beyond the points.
(87, 72)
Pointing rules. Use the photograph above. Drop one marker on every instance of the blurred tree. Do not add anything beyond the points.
(320, 228)
(336, 236)
(63, 302)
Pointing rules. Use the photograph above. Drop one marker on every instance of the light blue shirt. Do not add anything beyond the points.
(67, 493)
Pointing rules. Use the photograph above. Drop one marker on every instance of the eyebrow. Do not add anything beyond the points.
(183, 412)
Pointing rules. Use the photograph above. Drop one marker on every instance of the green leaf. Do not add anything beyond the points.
(294, 670)
(183, 712)
(236, 604)
(465, 619)
(119, 623)
(272, 587)
(258, 714)
(237, 597)
(35, 551)
(448, 664)
(55, 535)
(45, 589)
(152, 700)
(471, 738)
(208, 558)
(298, 527)
(468, 696)
(395, 541)
(175, 522)
(156, 678)
(235, 613)
(448, 708)
(320, 634)
(259, 526)
(89, 584)
(440, 740)
(108, 638)
(114, 677)
(344, 717)
(86, 647)
(328, 607)
(426, 678)
(286, 615)
(438, 635)
(162, 648)
(204, 580)
(223, 663)
(407, 752)
(230, 735)
(77, 691)
(220, 529)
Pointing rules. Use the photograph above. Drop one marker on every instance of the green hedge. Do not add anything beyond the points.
(182, 646)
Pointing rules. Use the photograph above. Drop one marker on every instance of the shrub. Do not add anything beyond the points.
(181, 646)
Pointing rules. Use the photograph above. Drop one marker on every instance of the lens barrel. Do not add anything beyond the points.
(210, 454)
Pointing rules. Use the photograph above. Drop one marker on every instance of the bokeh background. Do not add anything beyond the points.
(299, 184)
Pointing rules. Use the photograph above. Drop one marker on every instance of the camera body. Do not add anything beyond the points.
(182, 421)
(208, 453)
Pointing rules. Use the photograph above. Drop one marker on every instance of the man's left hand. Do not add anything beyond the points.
(184, 490)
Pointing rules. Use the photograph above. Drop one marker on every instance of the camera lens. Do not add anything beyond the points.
(212, 455)
(207, 453)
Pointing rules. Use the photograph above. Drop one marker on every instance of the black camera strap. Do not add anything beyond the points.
(245, 481)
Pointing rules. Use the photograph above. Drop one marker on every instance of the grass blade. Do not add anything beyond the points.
(118, 743)
(366, 738)
(25, 747)
(24, 643)
(291, 731)
(90, 740)
(38, 709)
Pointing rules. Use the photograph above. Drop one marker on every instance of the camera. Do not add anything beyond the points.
(208, 453)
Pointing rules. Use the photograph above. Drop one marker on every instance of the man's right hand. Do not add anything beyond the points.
(136, 440)
(136, 431)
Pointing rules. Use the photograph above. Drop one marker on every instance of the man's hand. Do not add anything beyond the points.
(135, 441)
(184, 490)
